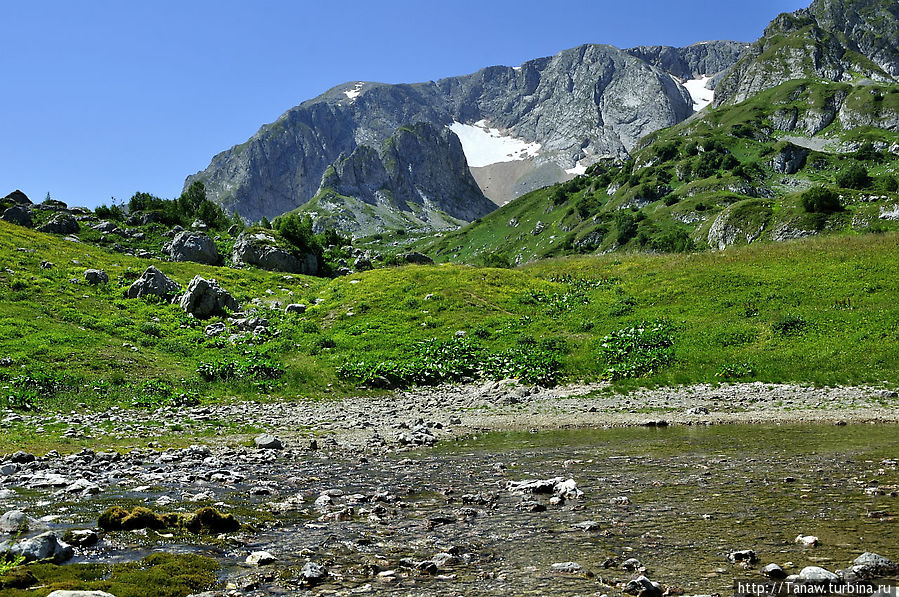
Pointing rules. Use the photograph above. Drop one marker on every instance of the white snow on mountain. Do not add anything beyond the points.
(702, 97)
(484, 145)
(579, 168)
(354, 92)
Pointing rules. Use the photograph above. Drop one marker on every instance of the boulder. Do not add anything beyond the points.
(96, 276)
(261, 250)
(643, 587)
(205, 298)
(313, 573)
(362, 264)
(295, 308)
(20, 215)
(816, 574)
(16, 521)
(107, 227)
(268, 442)
(870, 565)
(46, 546)
(261, 558)
(416, 258)
(774, 572)
(18, 197)
(193, 246)
(61, 223)
(153, 282)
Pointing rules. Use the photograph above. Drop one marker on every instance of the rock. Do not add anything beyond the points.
(205, 298)
(313, 573)
(362, 264)
(774, 572)
(743, 221)
(193, 246)
(746, 555)
(268, 442)
(16, 521)
(567, 568)
(643, 587)
(295, 308)
(261, 558)
(807, 540)
(153, 283)
(20, 215)
(80, 594)
(107, 227)
(61, 223)
(870, 565)
(21, 457)
(260, 249)
(444, 559)
(45, 546)
(215, 329)
(81, 537)
(415, 257)
(631, 564)
(96, 276)
(587, 525)
(19, 198)
(815, 574)
(698, 410)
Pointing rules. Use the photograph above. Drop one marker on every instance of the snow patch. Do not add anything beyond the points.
(702, 97)
(516, 68)
(579, 168)
(484, 145)
(354, 92)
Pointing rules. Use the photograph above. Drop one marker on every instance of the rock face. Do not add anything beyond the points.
(691, 62)
(418, 178)
(741, 222)
(61, 223)
(19, 215)
(260, 249)
(789, 160)
(153, 282)
(580, 104)
(192, 246)
(18, 197)
(205, 298)
(822, 41)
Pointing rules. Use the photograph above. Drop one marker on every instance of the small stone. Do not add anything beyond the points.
(567, 568)
(631, 564)
(295, 308)
(313, 573)
(261, 558)
(774, 572)
(807, 540)
(746, 555)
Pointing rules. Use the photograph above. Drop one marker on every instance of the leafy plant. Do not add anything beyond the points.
(735, 370)
(638, 350)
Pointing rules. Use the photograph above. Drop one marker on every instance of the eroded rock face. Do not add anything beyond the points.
(205, 298)
(193, 246)
(790, 159)
(742, 222)
(153, 282)
(260, 249)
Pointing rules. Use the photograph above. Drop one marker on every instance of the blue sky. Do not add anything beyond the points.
(104, 98)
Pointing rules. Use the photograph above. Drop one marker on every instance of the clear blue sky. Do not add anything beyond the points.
(104, 98)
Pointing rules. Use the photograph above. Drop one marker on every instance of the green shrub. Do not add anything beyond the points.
(735, 371)
(821, 200)
(789, 325)
(853, 177)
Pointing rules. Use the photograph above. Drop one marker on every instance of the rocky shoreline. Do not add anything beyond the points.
(350, 490)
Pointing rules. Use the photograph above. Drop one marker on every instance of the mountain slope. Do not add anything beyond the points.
(578, 105)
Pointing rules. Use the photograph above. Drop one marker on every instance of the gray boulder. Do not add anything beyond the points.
(107, 227)
(362, 264)
(20, 215)
(643, 587)
(61, 223)
(295, 308)
(205, 298)
(46, 546)
(816, 574)
(153, 282)
(16, 521)
(416, 258)
(313, 573)
(193, 246)
(268, 442)
(870, 565)
(261, 250)
(96, 276)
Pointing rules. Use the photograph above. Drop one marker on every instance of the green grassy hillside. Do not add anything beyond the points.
(816, 311)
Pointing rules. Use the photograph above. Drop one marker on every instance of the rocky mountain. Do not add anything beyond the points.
(557, 114)
(418, 179)
(836, 40)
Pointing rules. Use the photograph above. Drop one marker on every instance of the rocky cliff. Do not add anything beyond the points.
(569, 109)
(835, 40)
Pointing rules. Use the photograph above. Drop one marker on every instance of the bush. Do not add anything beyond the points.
(789, 325)
(854, 177)
(626, 225)
(821, 200)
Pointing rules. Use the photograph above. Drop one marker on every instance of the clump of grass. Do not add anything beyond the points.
(735, 371)
(789, 325)
(204, 520)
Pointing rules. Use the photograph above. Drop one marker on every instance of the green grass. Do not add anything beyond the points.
(72, 343)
